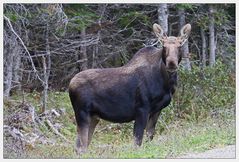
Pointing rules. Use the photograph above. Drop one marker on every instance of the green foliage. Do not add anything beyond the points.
(185, 6)
(12, 16)
(220, 15)
(133, 18)
(80, 16)
(202, 91)
(203, 22)
(124, 58)
(15, 15)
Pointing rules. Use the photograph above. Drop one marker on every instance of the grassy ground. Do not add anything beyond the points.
(173, 137)
(182, 138)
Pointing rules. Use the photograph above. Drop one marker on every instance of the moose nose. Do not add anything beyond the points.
(172, 65)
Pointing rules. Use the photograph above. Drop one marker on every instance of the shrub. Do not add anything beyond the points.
(204, 92)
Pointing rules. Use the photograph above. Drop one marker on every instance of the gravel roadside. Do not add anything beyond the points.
(228, 152)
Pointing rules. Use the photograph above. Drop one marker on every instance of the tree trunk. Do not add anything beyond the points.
(204, 48)
(16, 68)
(163, 17)
(46, 70)
(212, 57)
(185, 50)
(12, 57)
(101, 10)
(83, 52)
(8, 64)
(45, 86)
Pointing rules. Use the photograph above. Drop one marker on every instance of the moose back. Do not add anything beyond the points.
(137, 91)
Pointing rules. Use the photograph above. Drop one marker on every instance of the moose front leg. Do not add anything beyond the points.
(139, 126)
(150, 128)
(154, 115)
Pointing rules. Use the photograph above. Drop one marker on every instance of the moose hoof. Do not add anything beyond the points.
(80, 151)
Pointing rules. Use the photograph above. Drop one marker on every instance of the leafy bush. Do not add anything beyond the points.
(204, 92)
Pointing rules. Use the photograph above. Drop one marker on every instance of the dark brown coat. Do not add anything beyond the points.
(136, 91)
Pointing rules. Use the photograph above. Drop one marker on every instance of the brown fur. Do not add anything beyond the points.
(140, 60)
(136, 91)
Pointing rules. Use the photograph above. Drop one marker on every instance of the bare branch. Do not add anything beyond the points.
(55, 130)
(33, 66)
(11, 27)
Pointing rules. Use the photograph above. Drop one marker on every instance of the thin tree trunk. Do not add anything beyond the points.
(163, 16)
(212, 57)
(95, 51)
(185, 62)
(101, 9)
(83, 52)
(46, 70)
(16, 67)
(8, 73)
(204, 48)
(45, 86)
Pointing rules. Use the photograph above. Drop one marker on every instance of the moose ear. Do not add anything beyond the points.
(184, 33)
(158, 31)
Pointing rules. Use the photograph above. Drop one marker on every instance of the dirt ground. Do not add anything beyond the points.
(228, 152)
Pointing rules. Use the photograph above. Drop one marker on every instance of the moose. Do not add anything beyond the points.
(137, 91)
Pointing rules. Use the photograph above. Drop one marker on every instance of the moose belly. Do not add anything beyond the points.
(116, 118)
(118, 112)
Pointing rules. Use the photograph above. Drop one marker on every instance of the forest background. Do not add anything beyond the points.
(45, 45)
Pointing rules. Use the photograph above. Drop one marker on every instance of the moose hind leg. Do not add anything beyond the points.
(94, 121)
(82, 134)
(82, 139)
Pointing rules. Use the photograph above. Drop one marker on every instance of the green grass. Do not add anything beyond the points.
(182, 137)
(174, 135)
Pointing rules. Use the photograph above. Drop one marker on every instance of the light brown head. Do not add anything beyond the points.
(171, 55)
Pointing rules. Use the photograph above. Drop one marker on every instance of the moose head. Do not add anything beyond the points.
(172, 55)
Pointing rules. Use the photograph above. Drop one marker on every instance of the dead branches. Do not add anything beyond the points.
(20, 39)
(23, 127)
(55, 130)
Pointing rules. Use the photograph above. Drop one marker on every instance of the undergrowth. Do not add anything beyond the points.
(200, 117)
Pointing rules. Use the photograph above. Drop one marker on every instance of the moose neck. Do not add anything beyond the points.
(169, 77)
